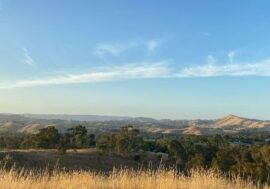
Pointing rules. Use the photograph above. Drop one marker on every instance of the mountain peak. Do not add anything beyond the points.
(231, 116)
(239, 122)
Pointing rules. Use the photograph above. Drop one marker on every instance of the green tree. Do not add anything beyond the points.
(77, 137)
(106, 142)
(162, 145)
(196, 162)
(128, 140)
(47, 138)
(225, 159)
(91, 138)
(177, 150)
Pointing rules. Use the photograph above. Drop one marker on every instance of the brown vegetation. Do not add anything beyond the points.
(121, 179)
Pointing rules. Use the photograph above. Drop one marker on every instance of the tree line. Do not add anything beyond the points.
(50, 138)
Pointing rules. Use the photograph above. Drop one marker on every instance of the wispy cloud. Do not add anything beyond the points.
(103, 49)
(27, 59)
(231, 56)
(148, 70)
(116, 49)
(261, 68)
(129, 71)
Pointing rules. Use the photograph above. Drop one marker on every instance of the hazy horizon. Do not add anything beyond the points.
(130, 116)
(173, 59)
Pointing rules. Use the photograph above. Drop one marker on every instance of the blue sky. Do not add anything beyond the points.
(162, 59)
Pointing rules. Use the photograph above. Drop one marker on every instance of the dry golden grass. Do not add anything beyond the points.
(120, 179)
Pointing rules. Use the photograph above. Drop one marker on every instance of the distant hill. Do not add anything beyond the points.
(233, 122)
(76, 117)
(32, 123)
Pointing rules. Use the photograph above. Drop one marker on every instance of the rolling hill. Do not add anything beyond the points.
(29, 123)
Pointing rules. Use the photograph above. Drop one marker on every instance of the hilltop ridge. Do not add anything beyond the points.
(31, 123)
(236, 121)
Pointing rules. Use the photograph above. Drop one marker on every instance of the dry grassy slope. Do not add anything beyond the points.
(32, 128)
(228, 124)
(22, 127)
(20, 124)
(236, 121)
(10, 126)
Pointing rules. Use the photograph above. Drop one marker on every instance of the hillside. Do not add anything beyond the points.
(28, 123)
(233, 121)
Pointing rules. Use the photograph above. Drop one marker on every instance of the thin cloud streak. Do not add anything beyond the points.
(148, 70)
(103, 49)
(261, 68)
(231, 56)
(27, 57)
(143, 70)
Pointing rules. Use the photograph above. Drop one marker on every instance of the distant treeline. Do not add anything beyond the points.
(50, 138)
(187, 152)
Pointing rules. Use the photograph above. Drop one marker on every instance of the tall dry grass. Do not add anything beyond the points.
(120, 179)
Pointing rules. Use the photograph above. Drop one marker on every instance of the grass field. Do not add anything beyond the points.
(120, 179)
(89, 169)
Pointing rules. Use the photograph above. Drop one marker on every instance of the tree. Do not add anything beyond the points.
(91, 140)
(178, 151)
(77, 137)
(224, 160)
(128, 140)
(174, 147)
(47, 138)
(162, 145)
(196, 162)
(106, 142)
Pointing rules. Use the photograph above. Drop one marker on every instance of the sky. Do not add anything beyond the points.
(182, 59)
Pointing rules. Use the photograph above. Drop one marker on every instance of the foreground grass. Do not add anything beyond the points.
(120, 179)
